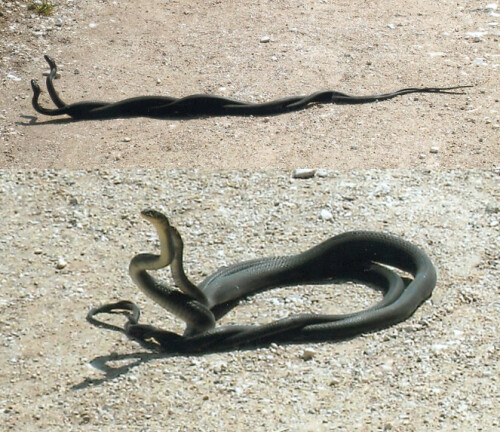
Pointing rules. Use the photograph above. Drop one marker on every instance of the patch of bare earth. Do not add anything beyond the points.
(67, 235)
(111, 50)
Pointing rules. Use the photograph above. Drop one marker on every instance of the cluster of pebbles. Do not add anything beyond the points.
(69, 236)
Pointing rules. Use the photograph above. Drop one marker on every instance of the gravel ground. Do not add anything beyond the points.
(111, 50)
(68, 236)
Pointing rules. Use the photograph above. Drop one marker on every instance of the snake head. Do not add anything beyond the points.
(50, 61)
(155, 217)
(35, 87)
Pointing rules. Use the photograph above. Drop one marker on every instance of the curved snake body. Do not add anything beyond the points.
(361, 256)
(201, 105)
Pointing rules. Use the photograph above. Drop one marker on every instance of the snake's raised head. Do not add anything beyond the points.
(50, 61)
(164, 230)
(155, 217)
(36, 88)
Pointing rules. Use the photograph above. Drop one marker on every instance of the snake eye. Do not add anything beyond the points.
(154, 215)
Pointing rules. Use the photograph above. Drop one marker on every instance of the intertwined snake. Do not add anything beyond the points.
(361, 256)
(200, 104)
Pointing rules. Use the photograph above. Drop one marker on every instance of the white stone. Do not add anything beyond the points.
(61, 263)
(326, 215)
(303, 173)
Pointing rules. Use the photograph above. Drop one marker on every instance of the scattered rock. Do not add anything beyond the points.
(308, 354)
(61, 263)
(326, 215)
(303, 173)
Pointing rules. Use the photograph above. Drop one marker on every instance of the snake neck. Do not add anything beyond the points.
(142, 262)
(171, 243)
(138, 272)
(50, 83)
(195, 314)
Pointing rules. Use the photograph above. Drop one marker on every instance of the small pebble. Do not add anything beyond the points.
(61, 263)
(308, 354)
(56, 76)
(13, 77)
(303, 173)
(326, 215)
(265, 39)
(434, 149)
(127, 139)
(58, 22)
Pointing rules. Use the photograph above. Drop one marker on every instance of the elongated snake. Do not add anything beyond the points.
(361, 256)
(202, 105)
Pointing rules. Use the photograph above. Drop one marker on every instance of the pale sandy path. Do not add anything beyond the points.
(124, 49)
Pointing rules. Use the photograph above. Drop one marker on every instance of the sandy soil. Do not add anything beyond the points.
(66, 249)
(67, 235)
(124, 49)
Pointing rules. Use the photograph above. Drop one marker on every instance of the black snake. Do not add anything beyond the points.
(361, 256)
(202, 105)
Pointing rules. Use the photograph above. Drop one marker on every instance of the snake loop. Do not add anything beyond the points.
(202, 105)
(360, 256)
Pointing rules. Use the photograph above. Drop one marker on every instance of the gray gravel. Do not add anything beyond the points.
(66, 241)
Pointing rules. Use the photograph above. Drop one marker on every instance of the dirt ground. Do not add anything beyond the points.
(69, 244)
(111, 50)
(424, 167)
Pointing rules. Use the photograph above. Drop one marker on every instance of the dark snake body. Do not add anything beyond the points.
(360, 256)
(201, 105)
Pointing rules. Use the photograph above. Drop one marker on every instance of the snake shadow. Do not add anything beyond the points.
(154, 351)
(104, 363)
(115, 365)
(35, 121)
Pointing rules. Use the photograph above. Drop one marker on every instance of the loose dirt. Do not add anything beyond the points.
(68, 232)
(66, 242)
(111, 50)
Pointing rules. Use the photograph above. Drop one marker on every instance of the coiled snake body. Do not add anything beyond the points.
(360, 256)
(201, 105)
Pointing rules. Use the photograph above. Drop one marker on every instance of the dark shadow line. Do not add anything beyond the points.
(34, 119)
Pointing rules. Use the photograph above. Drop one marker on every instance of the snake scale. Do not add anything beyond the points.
(200, 104)
(366, 257)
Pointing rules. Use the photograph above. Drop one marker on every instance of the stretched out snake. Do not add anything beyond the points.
(202, 105)
(361, 256)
